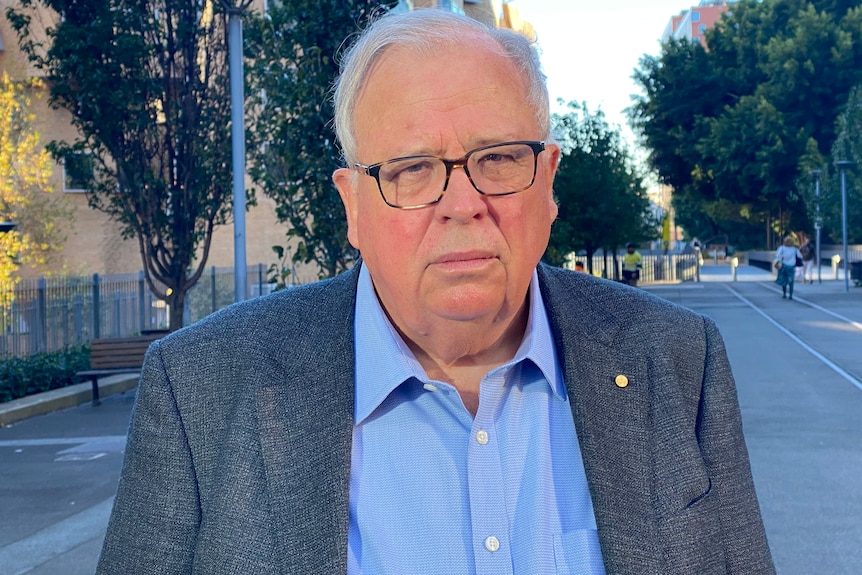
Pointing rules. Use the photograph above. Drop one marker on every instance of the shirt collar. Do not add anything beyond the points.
(383, 360)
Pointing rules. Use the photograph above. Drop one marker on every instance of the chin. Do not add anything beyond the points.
(468, 305)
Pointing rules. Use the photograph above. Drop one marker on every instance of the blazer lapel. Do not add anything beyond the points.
(306, 429)
(608, 387)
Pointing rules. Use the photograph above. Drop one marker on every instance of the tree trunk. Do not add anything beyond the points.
(177, 306)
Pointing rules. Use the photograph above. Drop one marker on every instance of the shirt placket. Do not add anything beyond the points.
(490, 523)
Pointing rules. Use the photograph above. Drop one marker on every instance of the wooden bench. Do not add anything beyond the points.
(117, 355)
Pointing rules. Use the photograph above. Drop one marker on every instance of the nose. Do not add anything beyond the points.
(461, 201)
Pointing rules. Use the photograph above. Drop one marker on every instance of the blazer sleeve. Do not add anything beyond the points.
(719, 428)
(156, 514)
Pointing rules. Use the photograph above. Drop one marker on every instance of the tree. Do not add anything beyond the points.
(292, 54)
(147, 88)
(736, 125)
(601, 196)
(848, 146)
(25, 173)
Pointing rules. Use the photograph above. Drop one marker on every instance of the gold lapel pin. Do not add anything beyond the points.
(621, 380)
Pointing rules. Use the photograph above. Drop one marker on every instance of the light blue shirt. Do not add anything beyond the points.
(435, 491)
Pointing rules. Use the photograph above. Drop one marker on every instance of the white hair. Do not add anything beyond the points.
(422, 31)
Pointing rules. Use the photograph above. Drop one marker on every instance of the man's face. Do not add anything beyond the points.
(469, 257)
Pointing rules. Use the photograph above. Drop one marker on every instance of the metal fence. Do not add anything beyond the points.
(50, 314)
(656, 267)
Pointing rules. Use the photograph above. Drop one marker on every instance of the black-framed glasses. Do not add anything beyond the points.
(415, 182)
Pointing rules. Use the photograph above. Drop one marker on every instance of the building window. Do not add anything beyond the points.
(77, 171)
(695, 16)
(701, 28)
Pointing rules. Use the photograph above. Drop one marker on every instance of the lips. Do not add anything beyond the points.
(463, 256)
(463, 261)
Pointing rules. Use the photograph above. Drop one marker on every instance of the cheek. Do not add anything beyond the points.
(388, 238)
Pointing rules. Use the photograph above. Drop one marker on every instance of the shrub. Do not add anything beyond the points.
(22, 376)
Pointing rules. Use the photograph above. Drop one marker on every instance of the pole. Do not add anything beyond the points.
(237, 98)
(816, 174)
(697, 263)
(817, 230)
(844, 230)
(843, 165)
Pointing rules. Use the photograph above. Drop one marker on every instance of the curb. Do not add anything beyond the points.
(57, 399)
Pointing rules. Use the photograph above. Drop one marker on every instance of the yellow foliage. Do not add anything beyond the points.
(25, 173)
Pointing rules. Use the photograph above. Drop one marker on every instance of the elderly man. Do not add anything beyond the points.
(449, 406)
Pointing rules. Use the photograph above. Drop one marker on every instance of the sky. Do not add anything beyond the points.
(590, 48)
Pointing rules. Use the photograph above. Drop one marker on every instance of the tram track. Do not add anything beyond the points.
(799, 330)
(821, 321)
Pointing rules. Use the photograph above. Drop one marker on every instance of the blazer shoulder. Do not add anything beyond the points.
(322, 308)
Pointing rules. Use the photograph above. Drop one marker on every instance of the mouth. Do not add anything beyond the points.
(463, 261)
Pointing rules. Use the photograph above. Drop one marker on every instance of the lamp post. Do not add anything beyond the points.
(237, 131)
(842, 165)
(816, 174)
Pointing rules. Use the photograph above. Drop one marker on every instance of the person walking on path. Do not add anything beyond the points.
(807, 251)
(787, 258)
(632, 263)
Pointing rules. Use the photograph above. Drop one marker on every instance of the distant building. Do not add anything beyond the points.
(497, 13)
(694, 22)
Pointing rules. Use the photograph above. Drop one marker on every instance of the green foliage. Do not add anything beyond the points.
(601, 196)
(743, 122)
(283, 272)
(292, 63)
(146, 84)
(847, 147)
(22, 376)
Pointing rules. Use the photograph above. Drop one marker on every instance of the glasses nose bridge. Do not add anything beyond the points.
(459, 163)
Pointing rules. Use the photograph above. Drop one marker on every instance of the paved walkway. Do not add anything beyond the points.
(58, 472)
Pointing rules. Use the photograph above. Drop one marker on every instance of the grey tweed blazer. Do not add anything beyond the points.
(238, 457)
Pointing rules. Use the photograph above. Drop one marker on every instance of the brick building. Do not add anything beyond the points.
(692, 23)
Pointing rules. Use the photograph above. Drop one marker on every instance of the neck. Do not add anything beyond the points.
(462, 353)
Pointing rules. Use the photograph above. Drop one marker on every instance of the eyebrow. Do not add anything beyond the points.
(475, 144)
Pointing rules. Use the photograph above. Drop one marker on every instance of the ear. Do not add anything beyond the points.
(551, 163)
(549, 171)
(346, 181)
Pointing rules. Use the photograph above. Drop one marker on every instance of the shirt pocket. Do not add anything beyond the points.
(578, 552)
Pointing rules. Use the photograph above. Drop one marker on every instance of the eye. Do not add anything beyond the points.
(496, 158)
(408, 171)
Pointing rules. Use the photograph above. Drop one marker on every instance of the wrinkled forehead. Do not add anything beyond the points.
(421, 94)
(463, 46)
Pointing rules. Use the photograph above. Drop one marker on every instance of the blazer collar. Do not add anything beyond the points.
(611, 413)
(306, 425)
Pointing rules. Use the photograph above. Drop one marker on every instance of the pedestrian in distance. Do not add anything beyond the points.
(449, 404)
(632, 265)
(787, 259)
(808, 256)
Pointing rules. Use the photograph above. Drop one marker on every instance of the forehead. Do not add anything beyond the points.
(418, 99)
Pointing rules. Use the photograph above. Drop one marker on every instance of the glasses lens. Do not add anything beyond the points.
(503, 169)
(412, 181)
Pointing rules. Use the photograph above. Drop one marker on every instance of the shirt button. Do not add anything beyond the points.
(482, 437)
(492, 544)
